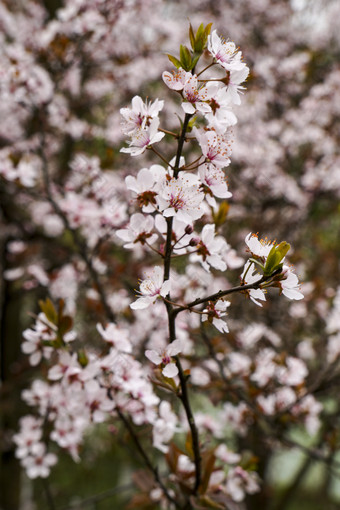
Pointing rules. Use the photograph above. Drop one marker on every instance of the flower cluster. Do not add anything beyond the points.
(174, 337)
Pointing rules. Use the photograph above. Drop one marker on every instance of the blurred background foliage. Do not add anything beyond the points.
(285, 179)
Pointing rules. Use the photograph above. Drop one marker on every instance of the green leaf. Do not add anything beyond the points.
(200, 32)
(275, 257)
(194, 62)
(185, 57)
(174, 61)
(192, 37)
(202, 37)
(220, 216)
(47, 307)
(82, 358)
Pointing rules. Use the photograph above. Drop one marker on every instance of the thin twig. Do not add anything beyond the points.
(146, 458)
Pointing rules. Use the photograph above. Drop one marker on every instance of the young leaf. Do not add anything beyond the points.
(192, 37)
(47, 307)
(174, 61)
(194, 62)
(185, 57)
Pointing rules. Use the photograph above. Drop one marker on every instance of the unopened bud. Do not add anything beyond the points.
(194, 241)
(189, 229)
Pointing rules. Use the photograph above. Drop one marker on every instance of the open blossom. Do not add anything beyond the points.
(151, 288)
(234, 88)
(196, 97)
(225, 52)
(144, 185)
(209, 249)
(135, 117)
(164, 427)
(250, 275)
(164, 358)
(214, 313)
(176, 80)
(215, 148)
(143, 137)
(30, 434)
(258, 247)
(181, 198)
(214, 183)
(138, 231)
(241, 482)
(115, 336)
(289, 284)
(221, 116)
(34, 345)
(39, 462)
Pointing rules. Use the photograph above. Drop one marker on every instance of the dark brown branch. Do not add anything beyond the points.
(222, 293)
(183, 395)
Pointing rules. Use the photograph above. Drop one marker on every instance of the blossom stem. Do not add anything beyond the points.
(151, 148)
(205, 69)
(171, 133)
(222, 293)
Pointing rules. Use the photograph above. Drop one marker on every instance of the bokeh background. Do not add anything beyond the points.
(65, 70)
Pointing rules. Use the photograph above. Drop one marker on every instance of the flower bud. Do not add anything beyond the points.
(194, 241)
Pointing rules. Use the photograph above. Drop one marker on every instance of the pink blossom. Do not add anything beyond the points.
(39, 462)
(151, 288)
(181, 198)
(164, 427)
(135, 117)
(138, 231)
(143, 137)
(225, 52)
(164, 358)
(216, 148)
(209, 249)
(176, 79)
(214, 313)
(196, 97)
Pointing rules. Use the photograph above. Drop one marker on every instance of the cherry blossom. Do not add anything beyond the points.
(136, 117)
(196, 97)
(241, 482)
(151, 288)
(181, 198)
(209, 249)
(145, 186)
(214, 182)
(176, 79)
(225, 53)
(214, 313)
(290, 284)
(216, 148)
(164, 358)
(258, 247)
(143, 137)
(164, 427)
(139, 230)
(39, 462)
